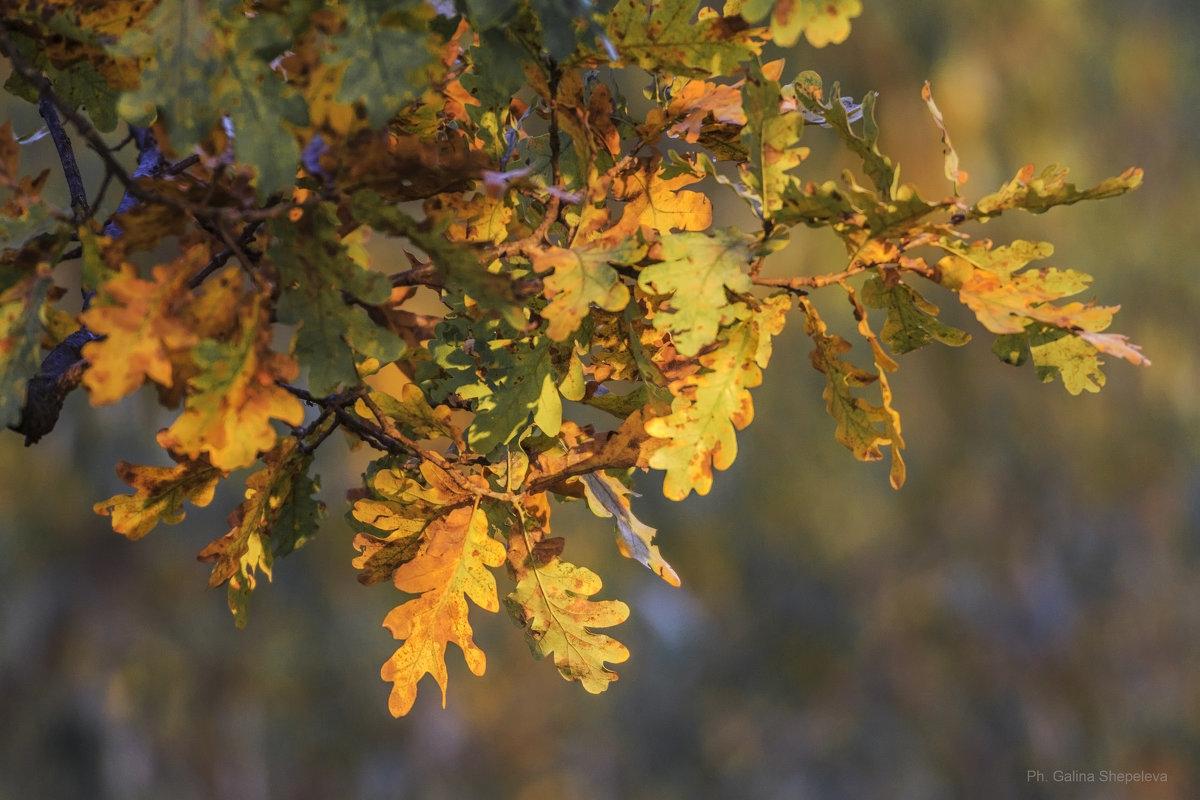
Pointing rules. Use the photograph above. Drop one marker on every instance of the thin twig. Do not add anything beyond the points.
(240, 248)
(182, 164)
(803, 283)
(423, 275)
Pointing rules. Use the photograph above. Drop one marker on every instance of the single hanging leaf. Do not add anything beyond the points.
(452, 562)
(552, 603)
(159, 496)
(278, 515)
(883, 364)
(710, 405)
(608, 497)
(862, 428)
(953, 173)
(912, 320)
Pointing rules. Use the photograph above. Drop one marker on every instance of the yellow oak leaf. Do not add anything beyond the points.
(608, 497)
(821, 21)
(233, 399)
(660, 204)
(453, 561)
(710, 405)
(583, 277)
(159, 496)
(552, 602)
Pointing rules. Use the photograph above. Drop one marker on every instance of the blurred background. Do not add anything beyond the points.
(1028, 604)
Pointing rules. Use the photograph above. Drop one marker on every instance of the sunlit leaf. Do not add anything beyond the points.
(159, 496)
(552, 602)
(451, 565)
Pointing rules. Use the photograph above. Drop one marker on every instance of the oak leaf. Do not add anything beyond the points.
(657, 202)
(709, 406)
(911, 319)
(21, 305)
(582, 277)
(233, 400)
(676, 35)
(277, 516)
(822, 22)
(145, 329)
(1038, 192)
(552, 602)
(453, 561)
(159, 496)
(608, 497)
(695, 275)
(862, 428)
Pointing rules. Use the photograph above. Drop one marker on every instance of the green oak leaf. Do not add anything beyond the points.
(671, 37)
(320, 282)
(912, 320)
(20, 339)
(695, 274)
(389, 56)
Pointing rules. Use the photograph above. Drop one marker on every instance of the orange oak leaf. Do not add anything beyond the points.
(143, 325)
(234, 398)
(452, 562)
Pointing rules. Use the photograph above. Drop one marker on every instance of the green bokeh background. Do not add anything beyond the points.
(1029, 602)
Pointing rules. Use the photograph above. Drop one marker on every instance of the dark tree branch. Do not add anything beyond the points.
(66, 155)
(60, 373)
(423, 275)
(150, 164)
(242, 250)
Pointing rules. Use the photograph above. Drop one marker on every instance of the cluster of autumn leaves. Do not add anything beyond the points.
(571, 248)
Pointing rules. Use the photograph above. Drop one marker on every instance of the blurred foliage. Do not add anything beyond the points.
(1029, 601)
